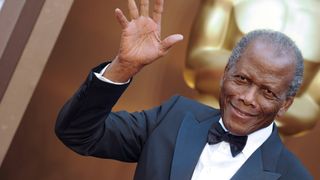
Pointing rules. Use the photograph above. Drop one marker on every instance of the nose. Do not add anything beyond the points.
(248, 96)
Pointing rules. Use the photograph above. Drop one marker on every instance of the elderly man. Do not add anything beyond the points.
(183, 139)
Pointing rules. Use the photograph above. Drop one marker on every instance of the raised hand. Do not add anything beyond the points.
(141, 43)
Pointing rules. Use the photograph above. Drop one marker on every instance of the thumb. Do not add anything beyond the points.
(169, 41)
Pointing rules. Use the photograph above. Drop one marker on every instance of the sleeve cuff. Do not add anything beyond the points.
(102, 78)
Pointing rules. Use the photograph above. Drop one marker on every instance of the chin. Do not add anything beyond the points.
(236, 128)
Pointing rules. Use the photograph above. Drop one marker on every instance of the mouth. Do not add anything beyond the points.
(241, 113)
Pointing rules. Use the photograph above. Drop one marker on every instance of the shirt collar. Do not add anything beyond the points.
(255, 139)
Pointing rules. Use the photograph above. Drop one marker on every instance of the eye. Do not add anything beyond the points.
(241, 79)
(269, 94)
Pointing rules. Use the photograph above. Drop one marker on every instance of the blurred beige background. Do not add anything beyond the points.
(89, 36)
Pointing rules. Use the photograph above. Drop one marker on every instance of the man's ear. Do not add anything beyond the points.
(285, 106)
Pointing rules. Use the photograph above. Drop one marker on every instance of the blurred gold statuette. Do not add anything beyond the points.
(221, 23)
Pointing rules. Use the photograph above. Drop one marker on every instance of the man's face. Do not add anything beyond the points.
(253, 91)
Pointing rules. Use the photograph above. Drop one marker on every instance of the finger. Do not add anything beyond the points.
(157, 11)
(169, 41)
(133, 10)
(121, 18)
(144, 7)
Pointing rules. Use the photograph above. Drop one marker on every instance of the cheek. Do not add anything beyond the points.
(269, 112)
(269, 108)
(229, 92)
(229, 89)
(225, 94)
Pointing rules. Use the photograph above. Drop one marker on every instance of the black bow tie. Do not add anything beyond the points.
(217, 134)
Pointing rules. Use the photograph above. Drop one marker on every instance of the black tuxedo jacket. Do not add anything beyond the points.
(166, 141)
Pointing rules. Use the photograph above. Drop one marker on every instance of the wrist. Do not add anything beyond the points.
(120, 70)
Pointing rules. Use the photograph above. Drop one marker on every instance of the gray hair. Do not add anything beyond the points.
(281, 43)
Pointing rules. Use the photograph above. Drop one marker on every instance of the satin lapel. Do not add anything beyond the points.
(253, 169)
(262, 163)
(190, 142)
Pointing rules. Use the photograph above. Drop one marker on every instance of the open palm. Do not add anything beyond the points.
(141, 43)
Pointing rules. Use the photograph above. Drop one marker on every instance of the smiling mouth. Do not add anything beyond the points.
(241, 113)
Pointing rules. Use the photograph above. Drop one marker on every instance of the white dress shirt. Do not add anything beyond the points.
(216, 161)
